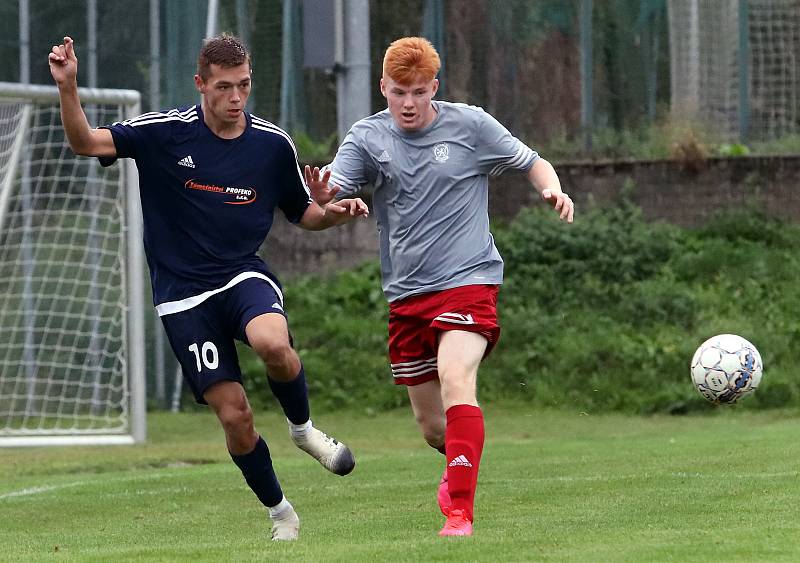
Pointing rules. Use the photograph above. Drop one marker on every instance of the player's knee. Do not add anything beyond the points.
(436, 441)
(432, 427)
(454, 386)
(273, 352)
(237, 420)
(454, 374)
(458, 386)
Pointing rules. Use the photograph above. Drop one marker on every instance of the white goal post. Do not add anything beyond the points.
(71, 278)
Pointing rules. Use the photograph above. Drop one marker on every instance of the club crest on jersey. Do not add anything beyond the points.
(230, 195)
(441, 152)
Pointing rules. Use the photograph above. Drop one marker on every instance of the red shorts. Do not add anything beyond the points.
(415, 324)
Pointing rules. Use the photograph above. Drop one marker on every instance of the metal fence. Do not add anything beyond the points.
(546, 68)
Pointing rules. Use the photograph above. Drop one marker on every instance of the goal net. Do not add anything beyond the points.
(735, 66)
(71, 278)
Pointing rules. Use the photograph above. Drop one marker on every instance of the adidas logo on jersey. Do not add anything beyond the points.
(384, 157)
(460, 460)
(187, 162)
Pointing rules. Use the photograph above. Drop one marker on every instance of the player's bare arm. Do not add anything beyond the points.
(317, 182)
(317, 218)
(544, 179)
(82, 138)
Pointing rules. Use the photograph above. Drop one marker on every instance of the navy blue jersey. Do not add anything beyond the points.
(208, 203)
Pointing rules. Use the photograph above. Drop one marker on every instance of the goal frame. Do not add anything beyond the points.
(136, 431)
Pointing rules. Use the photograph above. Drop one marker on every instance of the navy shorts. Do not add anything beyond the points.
(203, 337)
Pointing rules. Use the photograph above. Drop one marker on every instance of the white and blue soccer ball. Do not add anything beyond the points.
(725, 368)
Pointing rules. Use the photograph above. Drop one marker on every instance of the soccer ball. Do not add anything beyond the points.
(725, 368)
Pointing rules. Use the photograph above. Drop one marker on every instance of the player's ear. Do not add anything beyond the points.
(383, 87)
(200, 84)
(435, 87)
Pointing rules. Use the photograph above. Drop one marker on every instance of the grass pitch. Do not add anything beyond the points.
(554, 486)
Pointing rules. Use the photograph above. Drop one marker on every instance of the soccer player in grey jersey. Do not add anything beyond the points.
(429, 163)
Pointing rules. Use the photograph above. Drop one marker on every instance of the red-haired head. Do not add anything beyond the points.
(409, 59)
(409, 82)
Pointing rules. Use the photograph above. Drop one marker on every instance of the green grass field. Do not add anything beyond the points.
(554, 486)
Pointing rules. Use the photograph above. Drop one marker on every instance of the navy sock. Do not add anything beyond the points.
(257, 470)
(293, 397)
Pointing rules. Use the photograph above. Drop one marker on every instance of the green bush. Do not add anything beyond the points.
(601, 315)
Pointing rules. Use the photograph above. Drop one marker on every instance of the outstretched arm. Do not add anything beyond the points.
(544, 179)
(82, 138)
(317, 218)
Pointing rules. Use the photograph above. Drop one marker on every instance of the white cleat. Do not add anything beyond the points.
(286, 526)
(332, 454)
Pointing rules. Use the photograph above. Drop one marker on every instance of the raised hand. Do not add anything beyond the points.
(63, 63)
(561, 202)
(320, 191)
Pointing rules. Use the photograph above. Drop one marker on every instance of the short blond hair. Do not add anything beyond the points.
(409, 59)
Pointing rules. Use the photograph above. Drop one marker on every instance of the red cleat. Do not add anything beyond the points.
(443, 495)
(457, 524)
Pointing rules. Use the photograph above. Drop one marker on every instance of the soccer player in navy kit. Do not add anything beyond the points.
(210, 177)
(429, 163)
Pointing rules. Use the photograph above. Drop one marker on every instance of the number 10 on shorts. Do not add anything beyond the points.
(208, 354)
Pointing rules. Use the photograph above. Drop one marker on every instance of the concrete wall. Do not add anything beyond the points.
(687, 193)
(291, 251)
(681, 193)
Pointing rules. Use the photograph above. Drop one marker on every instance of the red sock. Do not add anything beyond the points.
(464, 444)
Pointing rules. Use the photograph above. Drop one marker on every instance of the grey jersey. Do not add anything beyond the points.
(431, 194)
